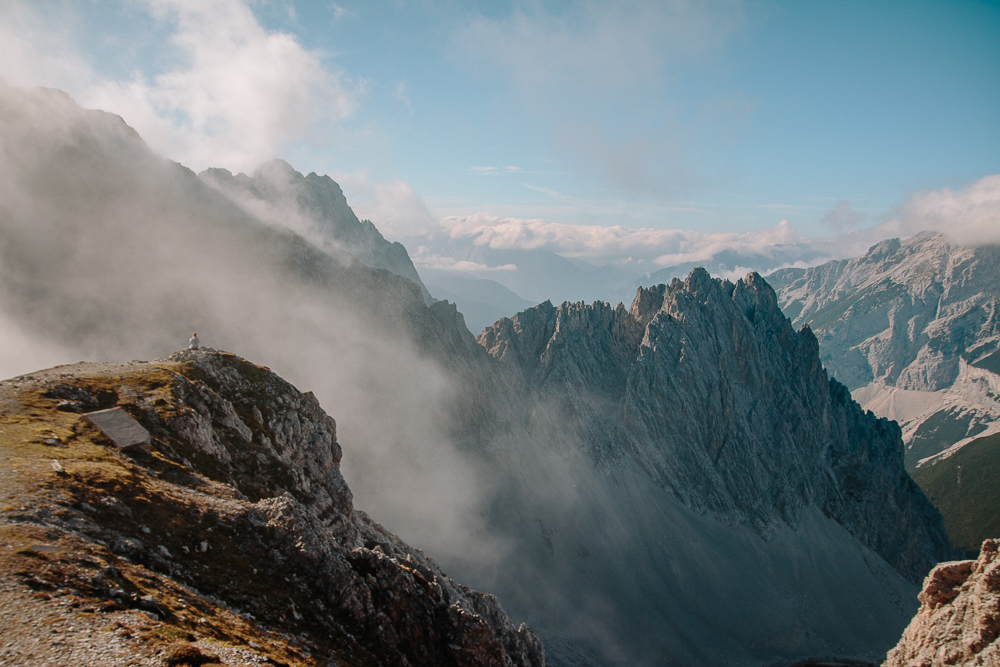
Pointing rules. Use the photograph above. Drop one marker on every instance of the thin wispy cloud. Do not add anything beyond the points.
(548, 191)
(494, 171)
(400, 93)
(598, 47)
(423, 258)
(340, 13)
(634, 164)
(578, 65)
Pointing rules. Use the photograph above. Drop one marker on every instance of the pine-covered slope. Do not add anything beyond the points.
(913, 329)
(964, 488)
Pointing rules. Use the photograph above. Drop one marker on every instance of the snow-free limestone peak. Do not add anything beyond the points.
(706, 385)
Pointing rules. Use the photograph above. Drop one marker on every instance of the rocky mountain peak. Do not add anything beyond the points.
(709, 388)
(647, 303)
(882, 250)
(315, 207)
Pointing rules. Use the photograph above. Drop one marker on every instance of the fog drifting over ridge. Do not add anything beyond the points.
(111, 253)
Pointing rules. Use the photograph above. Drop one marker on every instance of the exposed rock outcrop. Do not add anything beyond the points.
(240, 505)
(959, 618)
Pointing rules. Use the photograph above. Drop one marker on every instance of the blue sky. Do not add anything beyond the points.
(717, 117)
(769, 109)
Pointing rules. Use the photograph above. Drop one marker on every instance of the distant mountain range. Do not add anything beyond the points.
(913, 329)
(480, 300)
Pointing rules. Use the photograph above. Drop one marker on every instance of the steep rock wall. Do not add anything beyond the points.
(705, 385)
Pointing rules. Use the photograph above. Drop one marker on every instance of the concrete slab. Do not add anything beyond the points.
(125, 432)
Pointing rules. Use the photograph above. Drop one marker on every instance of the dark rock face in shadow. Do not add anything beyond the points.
(690, 455)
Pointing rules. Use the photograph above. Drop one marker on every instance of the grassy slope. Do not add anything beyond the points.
(965, 489)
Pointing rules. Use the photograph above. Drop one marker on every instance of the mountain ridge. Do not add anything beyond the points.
(669, 336)
(315, 207)
(919, 315)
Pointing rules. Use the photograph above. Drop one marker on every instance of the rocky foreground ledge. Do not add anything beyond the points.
(231, 538)
(959, 618)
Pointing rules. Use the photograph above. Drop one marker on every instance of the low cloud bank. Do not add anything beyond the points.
(111, 253)
(969, 216)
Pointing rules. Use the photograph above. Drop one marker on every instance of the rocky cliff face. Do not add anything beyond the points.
(239, 515)
(959, 618)
(912, 328)
(695, 434)
(707, 387)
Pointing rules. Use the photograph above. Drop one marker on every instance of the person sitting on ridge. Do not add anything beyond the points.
(193, 343)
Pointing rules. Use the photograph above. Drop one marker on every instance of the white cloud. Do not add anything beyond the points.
(423, 258)
(39, 47)
(969, 216)
(238, 93)
(614, 244)
(231, 93)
